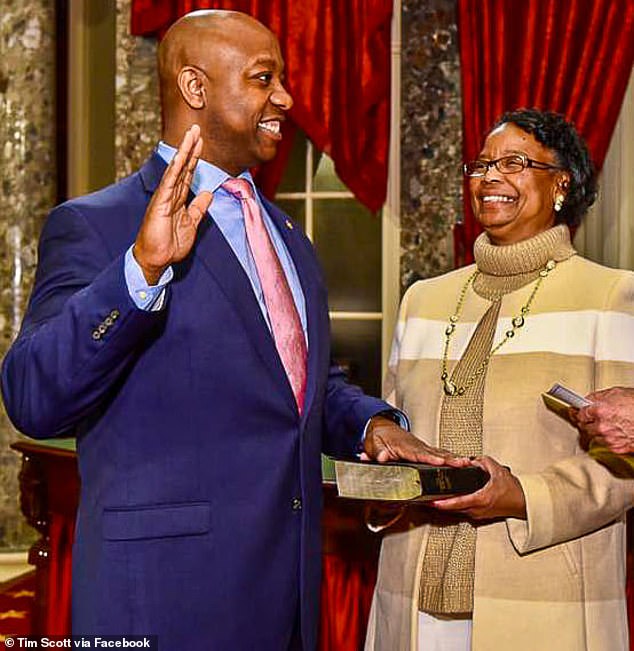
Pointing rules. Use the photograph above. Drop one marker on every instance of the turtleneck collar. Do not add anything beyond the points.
(503, 269)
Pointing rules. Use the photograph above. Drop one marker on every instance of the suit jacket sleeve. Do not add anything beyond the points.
(347, 411)
(59, 368)
(578, 495)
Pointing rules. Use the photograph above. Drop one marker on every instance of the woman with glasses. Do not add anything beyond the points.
(535, 559)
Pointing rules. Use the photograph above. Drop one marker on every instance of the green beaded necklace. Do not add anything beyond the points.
(449, 386)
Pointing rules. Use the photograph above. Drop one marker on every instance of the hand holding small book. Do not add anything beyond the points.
(605, 420)
(609, 418)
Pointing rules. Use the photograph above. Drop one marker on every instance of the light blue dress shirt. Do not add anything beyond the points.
(226, 211)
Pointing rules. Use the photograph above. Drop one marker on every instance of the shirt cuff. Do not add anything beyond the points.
(396, 415)
(146, 297)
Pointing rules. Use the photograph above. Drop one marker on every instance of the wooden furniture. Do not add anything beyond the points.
(49, 488)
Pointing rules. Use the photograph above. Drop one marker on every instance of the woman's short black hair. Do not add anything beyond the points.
(558, 134)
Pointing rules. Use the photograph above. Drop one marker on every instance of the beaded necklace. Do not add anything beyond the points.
(449, 386)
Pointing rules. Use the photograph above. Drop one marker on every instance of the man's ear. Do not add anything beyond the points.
(191, 87)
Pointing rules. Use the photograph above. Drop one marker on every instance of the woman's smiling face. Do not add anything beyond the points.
(515, 207)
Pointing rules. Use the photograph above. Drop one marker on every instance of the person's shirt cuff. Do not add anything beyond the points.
(396, 415)
(146, 297)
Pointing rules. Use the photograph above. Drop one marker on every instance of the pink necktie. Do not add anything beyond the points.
(285, 323)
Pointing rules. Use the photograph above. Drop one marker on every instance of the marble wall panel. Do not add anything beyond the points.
(27, 193)
(138, 114)
(431, 134)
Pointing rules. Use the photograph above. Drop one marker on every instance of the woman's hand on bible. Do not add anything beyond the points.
(501, 497)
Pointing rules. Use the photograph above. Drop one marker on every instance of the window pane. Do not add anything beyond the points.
(348, 241)
(326, 178)
(295, 209)
(356, 346)
(294, 179)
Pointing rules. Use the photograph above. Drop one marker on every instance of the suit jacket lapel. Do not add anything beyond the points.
(217, 257)
(151, 172)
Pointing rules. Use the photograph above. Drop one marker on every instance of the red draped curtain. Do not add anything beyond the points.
(570, 56)
(58, 606)
(337, 56)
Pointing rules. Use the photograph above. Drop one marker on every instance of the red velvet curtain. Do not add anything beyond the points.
(570, 56)
(337, 57)
(346, 596)
(58, 605)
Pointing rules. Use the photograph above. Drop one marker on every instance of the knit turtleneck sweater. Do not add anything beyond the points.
(448, 566)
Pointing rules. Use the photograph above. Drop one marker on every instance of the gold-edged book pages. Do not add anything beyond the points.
(404, 481)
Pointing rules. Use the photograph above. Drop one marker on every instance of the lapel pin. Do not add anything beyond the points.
(289, 225)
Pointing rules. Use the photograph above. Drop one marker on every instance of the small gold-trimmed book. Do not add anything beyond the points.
(559, 398)
(404, 480)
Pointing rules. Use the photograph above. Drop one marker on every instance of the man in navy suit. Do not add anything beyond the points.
(148, 337)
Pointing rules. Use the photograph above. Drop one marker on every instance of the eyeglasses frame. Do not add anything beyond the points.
(526, 162)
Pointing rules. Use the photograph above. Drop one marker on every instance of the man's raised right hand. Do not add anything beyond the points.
(169, 227)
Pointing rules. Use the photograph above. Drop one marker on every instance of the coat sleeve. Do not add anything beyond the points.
(346, 413)
(80, 333)
(578, 495)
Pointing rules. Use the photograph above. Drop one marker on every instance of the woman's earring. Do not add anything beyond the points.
(559, 202)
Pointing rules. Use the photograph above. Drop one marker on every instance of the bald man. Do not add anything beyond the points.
(199, 390)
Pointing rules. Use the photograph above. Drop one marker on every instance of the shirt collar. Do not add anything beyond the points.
(206, 176)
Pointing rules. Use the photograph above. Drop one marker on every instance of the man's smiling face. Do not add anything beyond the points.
(245, 98)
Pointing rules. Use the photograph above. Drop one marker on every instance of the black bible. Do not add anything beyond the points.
(405, 481)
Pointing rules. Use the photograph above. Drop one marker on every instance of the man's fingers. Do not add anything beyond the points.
(187, 173)
(178, 162)
(170, 188)
(199, 206)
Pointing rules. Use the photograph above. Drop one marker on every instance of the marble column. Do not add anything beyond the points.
(27, 192)
(138, 114)
(431, 134)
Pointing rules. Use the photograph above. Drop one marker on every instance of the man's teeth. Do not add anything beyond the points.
(273, 127)
(497, 197)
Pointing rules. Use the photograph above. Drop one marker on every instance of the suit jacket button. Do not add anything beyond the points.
(96, 335)
(102, 328)
(108, 321)
(114, 315)
(296, 504)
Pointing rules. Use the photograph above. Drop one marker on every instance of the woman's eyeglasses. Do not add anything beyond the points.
(506, 165)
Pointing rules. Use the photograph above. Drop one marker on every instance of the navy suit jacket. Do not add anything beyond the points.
(199, 517)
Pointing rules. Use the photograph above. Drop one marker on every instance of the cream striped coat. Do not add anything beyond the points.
(555, 581)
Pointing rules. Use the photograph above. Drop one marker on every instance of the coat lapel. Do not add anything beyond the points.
(218, 259)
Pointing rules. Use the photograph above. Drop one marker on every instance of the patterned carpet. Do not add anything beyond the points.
(16, 604)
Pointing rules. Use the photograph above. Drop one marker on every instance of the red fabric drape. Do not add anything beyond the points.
(346, 596)
(569, 56)
(338, 71)
(58, 605)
